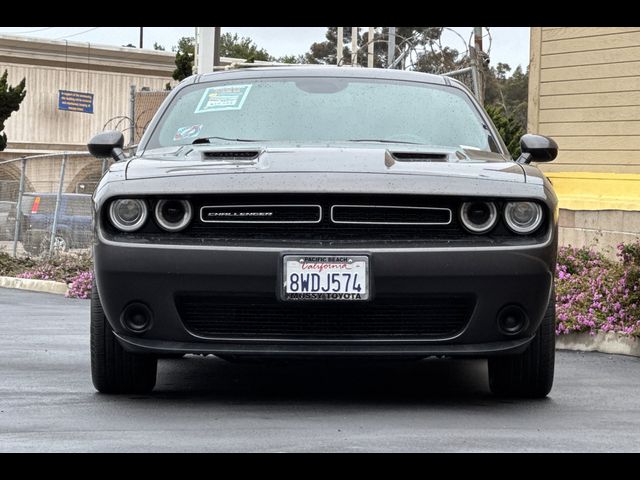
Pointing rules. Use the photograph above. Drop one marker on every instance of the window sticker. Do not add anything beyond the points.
(218, 99)
(187, 132)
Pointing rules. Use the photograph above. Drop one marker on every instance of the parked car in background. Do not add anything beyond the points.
(74, 227)
(7, 220)
(322, 212)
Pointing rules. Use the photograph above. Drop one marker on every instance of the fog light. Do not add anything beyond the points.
(136, 317)
(512, 319)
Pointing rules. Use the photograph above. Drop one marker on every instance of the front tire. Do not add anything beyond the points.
(530, 373)
(113, 369)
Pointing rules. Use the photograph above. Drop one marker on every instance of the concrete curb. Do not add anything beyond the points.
(605, 342)
(47, 286)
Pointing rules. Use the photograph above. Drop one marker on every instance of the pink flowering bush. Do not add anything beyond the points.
(74, 270)
(80, 286)
(40, 272)
(61, 268)
(594, 293)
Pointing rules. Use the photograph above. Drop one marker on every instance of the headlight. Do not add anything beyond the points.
(128, 214)
(173, 215)
(523, 217)
(479, 217)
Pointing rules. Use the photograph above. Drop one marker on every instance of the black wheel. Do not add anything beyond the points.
(529, 374)
(113, 369)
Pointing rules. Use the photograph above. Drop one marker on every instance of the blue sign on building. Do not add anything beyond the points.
(75, 101)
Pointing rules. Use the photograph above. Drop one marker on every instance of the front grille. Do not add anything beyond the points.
(305, 221)
(327, 232)
(390, 215)
(264, 317)
(260, 214)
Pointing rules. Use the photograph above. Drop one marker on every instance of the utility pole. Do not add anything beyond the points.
(339, 46)
(370, 48)
(477, 54)
(354, 46)
(205, 49)
(141, 28)
(216, 46)
(391, 46)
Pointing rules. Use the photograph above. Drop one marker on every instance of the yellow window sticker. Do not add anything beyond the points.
(228, 97)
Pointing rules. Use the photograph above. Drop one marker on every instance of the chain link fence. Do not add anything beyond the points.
(146, 105)
(45, 203)
(469, 76)
(45, 200)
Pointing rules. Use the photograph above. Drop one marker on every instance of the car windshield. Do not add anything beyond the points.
(322, 110)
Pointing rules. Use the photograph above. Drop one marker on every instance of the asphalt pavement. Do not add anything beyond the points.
(47, 401)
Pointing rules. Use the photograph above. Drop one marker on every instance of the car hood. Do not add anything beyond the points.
(214, 160)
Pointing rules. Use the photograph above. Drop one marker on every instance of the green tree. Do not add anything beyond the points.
(230, 46)
(425, 39)
(241, 47)
(508, 127)
(291, 59)
(510, 93)
(10, 99)
(440, 61)
(157, 46)
(185, 55)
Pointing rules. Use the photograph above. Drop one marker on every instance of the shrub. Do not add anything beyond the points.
(594, 293)
(62, 268)
(10, 267)
(81, 286)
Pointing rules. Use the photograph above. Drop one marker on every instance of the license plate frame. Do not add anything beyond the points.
(360, 265)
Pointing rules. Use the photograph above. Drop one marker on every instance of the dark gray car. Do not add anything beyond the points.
(315, 212)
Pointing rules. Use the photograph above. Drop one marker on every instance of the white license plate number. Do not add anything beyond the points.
(336, 278)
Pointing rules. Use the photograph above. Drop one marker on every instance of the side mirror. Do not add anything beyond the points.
(537, 148)
(107, 144)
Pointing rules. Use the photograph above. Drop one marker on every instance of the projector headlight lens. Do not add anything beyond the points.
(523, 217)
(128, 214)
(479, 217)
(173, 215)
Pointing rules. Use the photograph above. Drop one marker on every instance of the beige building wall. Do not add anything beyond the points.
(584, 91)
(38, 127)
(49, 66)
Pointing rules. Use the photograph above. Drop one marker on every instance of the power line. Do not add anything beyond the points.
(76, 34)
(31, 31)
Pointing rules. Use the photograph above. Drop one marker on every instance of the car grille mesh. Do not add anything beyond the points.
(385, 317)
(390, 215)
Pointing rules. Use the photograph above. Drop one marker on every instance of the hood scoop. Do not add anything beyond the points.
(231, 155)
(419, 157)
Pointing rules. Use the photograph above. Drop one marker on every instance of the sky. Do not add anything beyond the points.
(508, 44)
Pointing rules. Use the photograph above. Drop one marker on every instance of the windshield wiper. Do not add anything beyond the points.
(378, 140)
(208, 140)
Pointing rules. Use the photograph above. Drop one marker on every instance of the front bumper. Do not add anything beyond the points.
(155, 274)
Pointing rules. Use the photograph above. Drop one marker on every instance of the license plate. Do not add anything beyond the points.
(325, 277)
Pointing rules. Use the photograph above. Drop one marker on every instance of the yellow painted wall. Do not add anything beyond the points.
(584, 91)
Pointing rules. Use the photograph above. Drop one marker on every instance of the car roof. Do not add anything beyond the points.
(321, 71)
